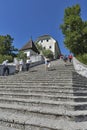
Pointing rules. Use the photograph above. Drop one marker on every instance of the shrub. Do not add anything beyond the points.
(48, 54)
(6, 57)
(82, 58)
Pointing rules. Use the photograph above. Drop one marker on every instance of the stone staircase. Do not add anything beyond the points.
(44, 100)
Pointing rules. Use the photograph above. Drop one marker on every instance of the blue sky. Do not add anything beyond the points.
(25, 18)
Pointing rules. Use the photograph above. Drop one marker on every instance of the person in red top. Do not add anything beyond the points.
(70, 57)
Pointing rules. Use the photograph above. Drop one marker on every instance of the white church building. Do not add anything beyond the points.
(32, 52)
(47, 42)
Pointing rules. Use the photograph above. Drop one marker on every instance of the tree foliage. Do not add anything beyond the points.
(48, 53)
(74, 30)
(6, 47)
(7, 50)
(45, 52)
(82, 58)
(4, 57)
(22, 55)
(39, 47)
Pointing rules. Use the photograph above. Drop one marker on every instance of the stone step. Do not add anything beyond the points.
(52, 82)
(60, 77)
(7, 127)
(45, 103)
(21, 99)
(27, 86)
(43, 92)
(31, 89)
(37, 102)
(32, 110)
(40, 73)
(77, 93)
(36, 90)
(48, 92)
(47, 75)
(45, 107)
(42, 97)
(41, 89)
(49, 111)
(32, 78)
(43, 84)
(26, 120)
(40, 79)
(39, 82)
(59, 97)
(44, 77)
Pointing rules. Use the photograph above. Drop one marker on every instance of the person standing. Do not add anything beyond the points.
(5, 68)
(47, 63)
(70, 57)
(21, 65)
(28, 61)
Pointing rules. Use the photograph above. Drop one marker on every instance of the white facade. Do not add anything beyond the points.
(49, 43)
(30, 52)
(34, 57)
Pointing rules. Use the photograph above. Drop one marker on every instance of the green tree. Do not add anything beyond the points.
(6, 47)
(22, 55)
(39, 47)
(48, 53)
(74, 30)
(45, 52)
(7, 50)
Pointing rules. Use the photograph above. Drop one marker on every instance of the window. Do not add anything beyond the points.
(50, 47)
(41, 40)
(47, 40)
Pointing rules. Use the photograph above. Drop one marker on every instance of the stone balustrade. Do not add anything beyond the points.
(80, 67)
(11, 69)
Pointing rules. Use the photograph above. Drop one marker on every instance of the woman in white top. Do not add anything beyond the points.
(5, 68)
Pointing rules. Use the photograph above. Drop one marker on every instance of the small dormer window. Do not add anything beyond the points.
(49, 47)
(41, 40)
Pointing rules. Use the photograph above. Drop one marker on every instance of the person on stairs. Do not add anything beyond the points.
(5, 68)
(70, 57)
(47, 63)
(28, 61)
(21, 65)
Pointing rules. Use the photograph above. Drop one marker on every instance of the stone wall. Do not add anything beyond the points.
(11, 69)
(80, 67)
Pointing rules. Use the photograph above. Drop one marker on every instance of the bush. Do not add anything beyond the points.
(22, 55)
(82, 58)
(6, 57)
(48, 54)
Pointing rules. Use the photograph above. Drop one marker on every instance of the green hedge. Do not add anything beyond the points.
(82, 58)
(6, 57)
